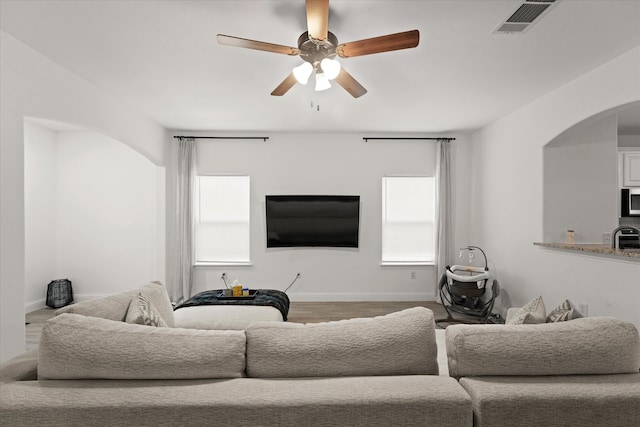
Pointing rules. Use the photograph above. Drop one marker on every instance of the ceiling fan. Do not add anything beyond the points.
(318, 47)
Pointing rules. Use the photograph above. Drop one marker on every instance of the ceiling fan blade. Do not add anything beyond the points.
(404, 40)
(318, 19)
(257, 45)
(350, 84)
(286, 84)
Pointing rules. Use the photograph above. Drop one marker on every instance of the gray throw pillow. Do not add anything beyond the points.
(533, 312)
(563, 312)
(143, 312)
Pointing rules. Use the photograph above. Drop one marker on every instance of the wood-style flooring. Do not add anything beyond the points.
(313, 312)
(299, 312)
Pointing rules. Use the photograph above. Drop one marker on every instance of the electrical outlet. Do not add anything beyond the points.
(606, 238)
(583, 308)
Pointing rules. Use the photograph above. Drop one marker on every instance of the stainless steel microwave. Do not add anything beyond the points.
(630, 202)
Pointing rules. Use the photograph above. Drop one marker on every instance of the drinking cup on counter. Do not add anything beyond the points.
(570, 237)
(245, 292)
(237, 291)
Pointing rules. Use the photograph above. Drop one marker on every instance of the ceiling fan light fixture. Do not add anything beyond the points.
(322, 82)
(302, 72)
(330, 67)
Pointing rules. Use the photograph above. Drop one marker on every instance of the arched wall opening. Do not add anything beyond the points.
(94, 212)
(581, 177)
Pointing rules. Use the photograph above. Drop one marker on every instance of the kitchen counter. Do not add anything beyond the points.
(597, 249)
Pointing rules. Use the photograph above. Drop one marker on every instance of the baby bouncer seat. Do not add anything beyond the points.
(463, 291)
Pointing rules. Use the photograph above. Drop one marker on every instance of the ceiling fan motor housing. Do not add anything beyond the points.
(314, 51)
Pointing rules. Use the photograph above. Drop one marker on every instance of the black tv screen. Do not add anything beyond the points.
(304, 220)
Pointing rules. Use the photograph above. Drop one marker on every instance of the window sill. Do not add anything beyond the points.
(223, 264)
(406, 263)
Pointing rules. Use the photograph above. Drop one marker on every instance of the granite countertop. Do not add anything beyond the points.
(592, 248)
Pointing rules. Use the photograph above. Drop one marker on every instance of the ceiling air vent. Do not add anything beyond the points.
(525, 16)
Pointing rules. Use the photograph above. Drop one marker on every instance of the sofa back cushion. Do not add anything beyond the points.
(401, 343)
(73, 346)
(115, 307)
(592, 345)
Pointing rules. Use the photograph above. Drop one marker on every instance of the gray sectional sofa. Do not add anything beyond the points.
(103, 371)
(101, 363)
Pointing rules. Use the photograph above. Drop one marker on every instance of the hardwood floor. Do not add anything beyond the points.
(34, 323)
(313, 312)
(299, 312)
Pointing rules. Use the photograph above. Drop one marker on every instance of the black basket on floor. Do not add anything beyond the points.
(59, 293)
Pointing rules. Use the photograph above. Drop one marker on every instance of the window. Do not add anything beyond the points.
(408, 216)
(222, 219)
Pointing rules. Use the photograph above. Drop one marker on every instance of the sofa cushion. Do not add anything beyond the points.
(115, 307)
(590, 345)
(532, 312)
(73, 346)
(400, 343)
(572, 400)
(407, 401)
(112, 307)
(143, 312)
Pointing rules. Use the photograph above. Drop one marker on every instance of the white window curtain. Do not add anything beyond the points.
(185, 219)
(444, 213)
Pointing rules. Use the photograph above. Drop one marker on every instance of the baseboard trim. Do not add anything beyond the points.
(32, 306)
(360, 296)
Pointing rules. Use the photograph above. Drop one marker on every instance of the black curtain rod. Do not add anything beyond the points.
(367, 138)
(264, 138)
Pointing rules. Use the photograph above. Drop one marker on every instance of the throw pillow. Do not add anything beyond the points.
(533, 312)
(563, 312)
(142, 312)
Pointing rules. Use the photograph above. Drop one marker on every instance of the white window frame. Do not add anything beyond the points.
(217, 225)
(407, 221)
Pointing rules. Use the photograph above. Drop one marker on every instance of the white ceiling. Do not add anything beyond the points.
(162, 58)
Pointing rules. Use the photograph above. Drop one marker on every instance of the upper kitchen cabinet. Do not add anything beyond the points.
(629, 146)
(630, 168)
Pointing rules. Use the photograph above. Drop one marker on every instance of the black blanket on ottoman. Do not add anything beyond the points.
(271, 297)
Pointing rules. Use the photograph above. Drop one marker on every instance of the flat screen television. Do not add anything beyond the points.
(311, 221)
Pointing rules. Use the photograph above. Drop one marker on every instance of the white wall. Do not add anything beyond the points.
(91, 214)
(33, 86)
(40, 202)
(108, 219)
(581, 182)
(298, 163)
(509, 198)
